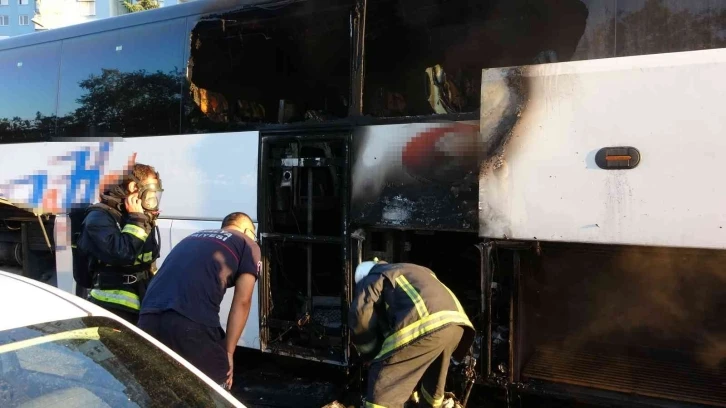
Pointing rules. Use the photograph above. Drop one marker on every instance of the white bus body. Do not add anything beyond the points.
(555, 163)
(204, 178)
(546, 185)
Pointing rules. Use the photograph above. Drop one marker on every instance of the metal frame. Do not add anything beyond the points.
(485, 288)
(511, 381)
(357, 58)
(487, 275)
(514, 319)
(343, 134)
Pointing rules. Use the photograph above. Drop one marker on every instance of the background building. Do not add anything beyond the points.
(16, 16)
(59, 13)
(26, 16)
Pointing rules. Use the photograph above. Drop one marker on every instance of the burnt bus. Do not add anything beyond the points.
(554, 162)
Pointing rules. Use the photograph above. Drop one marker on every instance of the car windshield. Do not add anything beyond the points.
(94, 362)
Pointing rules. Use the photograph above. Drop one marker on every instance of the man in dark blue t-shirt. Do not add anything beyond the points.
(181, 305)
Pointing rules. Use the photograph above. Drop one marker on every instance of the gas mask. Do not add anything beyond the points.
(150, 196)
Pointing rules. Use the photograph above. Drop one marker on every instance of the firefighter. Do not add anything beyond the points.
(408, 325)
(119, 239)
(182, 306)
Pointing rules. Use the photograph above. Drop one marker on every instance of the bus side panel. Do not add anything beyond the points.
(251, 334)
(546, 184)
(165, 232)
(205, 176)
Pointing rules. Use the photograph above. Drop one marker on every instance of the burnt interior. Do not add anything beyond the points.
(643, 322)
(404, 38)
(304, 192)
(272, 64)
(292, 62)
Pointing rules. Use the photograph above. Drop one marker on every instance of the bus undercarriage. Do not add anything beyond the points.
(27, 243)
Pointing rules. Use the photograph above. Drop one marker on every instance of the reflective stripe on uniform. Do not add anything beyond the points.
(372, 405)
(421, 327)
(119, 297)
(434, 402)
(143, 258)
(136, 231)
(416, 298)
(414, 397)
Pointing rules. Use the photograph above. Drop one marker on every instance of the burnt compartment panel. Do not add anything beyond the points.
(431, 208)
(505, 264)
(274, 64)
(647, 374)
(417, 176)
(453, 256)
(300, 171)
(305, 315)
(456, 260)
(303, 228)
(647, 322)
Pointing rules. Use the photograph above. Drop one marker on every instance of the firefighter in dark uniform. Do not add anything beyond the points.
(119, 238)
(408, 325)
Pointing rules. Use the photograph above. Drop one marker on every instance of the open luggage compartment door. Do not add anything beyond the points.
(305, 286)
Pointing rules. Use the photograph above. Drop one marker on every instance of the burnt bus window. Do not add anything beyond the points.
(123, 83)
(622, 28)
(425, 57)
(598, 41)
(29, 86)
(278, 64)
(658, 26)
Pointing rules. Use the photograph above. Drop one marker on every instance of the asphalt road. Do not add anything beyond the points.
(263, 380)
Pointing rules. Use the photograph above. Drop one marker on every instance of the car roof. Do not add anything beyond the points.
(26, 301)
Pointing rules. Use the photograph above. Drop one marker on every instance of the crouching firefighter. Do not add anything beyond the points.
(408, 325)
(118, 243)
